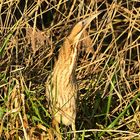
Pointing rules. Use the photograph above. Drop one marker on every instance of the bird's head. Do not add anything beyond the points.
(80, 27)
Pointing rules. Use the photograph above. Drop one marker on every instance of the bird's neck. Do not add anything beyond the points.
(68, 56)
(68, 52)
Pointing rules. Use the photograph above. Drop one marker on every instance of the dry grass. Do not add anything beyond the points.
(109, 79)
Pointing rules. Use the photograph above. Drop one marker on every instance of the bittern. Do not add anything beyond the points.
(62, 89)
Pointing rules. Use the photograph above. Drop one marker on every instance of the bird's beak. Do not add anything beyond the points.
(88, 20)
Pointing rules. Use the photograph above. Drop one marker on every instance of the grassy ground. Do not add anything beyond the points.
(31, 33)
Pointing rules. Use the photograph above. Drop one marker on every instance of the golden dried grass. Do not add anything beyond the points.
(108, 79)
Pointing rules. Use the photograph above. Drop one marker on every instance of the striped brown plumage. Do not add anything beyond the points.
(62, 90)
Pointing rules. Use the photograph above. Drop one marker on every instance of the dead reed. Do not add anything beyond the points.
(31, 33)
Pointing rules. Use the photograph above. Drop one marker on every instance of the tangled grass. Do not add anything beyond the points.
(31, 33)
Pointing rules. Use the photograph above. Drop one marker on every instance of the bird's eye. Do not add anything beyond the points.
(83, 23)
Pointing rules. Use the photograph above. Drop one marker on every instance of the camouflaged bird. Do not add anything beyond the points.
(61, 90)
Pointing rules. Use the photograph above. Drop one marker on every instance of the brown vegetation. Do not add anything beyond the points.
(31, 33)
